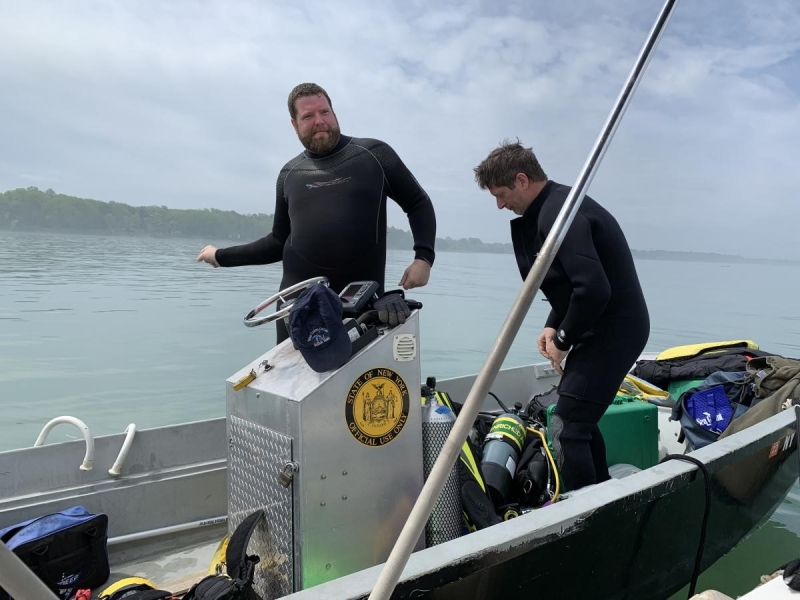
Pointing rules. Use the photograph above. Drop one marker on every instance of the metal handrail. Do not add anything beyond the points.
(88, 458)
(116, 468)
(390, 574)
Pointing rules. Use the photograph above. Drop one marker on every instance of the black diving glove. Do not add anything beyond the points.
(392, 308)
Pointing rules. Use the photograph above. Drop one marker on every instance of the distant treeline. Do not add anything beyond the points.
(34, 210)
(31, 209)
(708, 257)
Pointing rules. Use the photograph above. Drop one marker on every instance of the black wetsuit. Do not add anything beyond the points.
(330, 217)
(598, 309)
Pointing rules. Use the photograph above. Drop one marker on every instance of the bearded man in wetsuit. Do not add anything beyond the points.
(330, 210)
(598, 320)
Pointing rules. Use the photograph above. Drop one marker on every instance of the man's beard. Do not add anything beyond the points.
(321, 145)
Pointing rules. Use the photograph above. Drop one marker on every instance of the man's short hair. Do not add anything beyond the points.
(303, 90)
(500, 168)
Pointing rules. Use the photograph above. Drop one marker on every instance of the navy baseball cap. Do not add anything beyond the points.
(317, 330)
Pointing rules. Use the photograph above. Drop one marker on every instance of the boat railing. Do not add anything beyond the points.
(88, 458)
(116, 468)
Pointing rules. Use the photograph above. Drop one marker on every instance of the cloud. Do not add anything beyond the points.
(184, 104)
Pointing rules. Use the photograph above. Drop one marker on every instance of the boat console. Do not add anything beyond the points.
(335, 459)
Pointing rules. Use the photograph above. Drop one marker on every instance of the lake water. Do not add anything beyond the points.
(115, 330)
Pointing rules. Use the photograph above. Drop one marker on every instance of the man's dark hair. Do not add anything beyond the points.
(500, 168)
(303, 90)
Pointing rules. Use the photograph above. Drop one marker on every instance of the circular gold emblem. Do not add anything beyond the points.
(377, 407)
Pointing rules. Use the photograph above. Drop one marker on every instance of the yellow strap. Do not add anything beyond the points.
(546, 448)
(466, 452)
(469, 460)
(217, 565)
(639, 388)
(122, 583)
(444, 398)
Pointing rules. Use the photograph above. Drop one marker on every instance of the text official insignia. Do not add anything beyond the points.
(377, 407)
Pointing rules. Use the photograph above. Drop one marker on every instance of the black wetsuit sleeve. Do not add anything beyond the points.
(552, 320)
(404, 189)
(268, 249)
(591, 290)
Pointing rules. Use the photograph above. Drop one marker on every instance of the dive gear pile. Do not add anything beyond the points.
(505, 466)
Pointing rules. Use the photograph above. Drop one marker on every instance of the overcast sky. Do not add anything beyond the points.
(184, 104)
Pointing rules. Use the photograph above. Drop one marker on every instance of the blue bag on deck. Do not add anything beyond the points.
(707, 410)
(67, 550)
(710, 409)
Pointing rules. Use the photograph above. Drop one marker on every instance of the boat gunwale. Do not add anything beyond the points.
(539, 526)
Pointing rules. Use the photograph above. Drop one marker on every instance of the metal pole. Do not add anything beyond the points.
(161, 531)
(18, 580)
(421, 511)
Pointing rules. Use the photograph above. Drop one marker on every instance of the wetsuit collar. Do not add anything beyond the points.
(525, 227)
(532, 212)
(343, 141)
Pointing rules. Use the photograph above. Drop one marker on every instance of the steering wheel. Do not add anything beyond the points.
(251, 321)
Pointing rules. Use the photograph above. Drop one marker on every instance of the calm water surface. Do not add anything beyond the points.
(115, 330)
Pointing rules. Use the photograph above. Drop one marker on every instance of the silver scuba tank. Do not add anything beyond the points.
(445, 522)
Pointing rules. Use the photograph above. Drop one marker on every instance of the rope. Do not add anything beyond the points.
(791, 574)
(706, 512)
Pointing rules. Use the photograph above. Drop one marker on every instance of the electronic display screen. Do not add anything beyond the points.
(350, 291)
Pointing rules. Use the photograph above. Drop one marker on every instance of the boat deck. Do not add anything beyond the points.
(172, 570)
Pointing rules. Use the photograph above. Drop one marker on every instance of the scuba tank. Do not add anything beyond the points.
(501, 450)
(445, 522)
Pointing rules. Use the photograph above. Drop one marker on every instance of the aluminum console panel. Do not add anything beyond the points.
(356, 442)
(257, 455)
